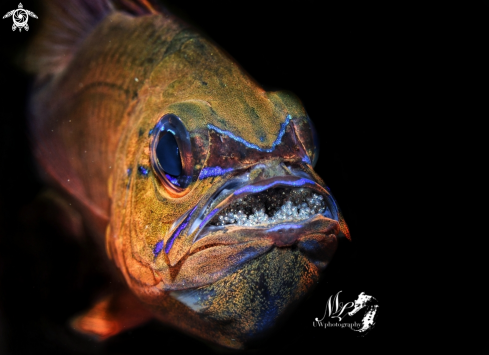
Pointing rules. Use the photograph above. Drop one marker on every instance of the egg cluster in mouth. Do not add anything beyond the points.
(276, 205)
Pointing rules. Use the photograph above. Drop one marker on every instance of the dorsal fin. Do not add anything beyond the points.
(65, 24)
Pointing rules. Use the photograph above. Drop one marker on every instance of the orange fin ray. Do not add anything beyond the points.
(112, 315)
(65, 24)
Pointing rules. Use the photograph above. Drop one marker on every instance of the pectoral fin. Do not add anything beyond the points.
(112, 315)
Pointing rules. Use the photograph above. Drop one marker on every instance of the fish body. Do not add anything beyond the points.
(197, 183)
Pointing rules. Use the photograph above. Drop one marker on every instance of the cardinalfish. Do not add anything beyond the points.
(198, 183)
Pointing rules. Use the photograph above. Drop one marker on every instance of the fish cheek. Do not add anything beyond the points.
(142, 227)
(152, 213)
(152, 210)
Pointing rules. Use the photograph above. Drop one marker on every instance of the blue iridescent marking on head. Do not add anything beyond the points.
(256, 189)
(277, 141)
(213, 171)
(150, 132)
(172, 179)
(208, 217)
(177, 232)
(158, 248)
(306, 160)
(142, 170)
(169, 130)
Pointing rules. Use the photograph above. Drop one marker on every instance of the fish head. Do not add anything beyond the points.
(219, 222)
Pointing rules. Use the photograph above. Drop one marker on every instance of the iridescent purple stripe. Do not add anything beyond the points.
(306, 160)
(256, 189)
(281, 133)
(209, 216)
(213, 171)
(158, 248)
(173, 180)
(180, 228)
(142, 170)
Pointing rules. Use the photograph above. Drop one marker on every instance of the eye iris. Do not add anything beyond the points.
(169, 155)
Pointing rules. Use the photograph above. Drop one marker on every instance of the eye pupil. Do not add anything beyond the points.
(168, 154)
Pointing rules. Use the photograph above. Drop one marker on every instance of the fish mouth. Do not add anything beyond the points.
(279, 208)
(219, 248)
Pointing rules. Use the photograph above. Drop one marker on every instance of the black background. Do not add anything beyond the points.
(355, 66)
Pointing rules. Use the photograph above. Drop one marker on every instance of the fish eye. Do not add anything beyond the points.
(171, 155)
(315, 142)
(168, 154)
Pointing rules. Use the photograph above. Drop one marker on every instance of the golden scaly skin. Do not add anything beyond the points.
(128, 74)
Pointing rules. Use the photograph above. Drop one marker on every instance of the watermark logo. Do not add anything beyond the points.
(20, 17)
(337, 310)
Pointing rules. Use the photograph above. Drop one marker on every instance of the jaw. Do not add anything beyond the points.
(239, 280)
(244, 307)
(300, 214)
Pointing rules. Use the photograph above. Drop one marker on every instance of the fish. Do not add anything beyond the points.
(195, 183)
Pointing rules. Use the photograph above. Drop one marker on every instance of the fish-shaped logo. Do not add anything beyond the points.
(199, 183)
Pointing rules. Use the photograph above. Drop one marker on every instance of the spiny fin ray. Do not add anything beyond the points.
(65, 25)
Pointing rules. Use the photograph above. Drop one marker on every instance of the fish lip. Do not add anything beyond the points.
(283, 234)
(221, 254)
(260, 186)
